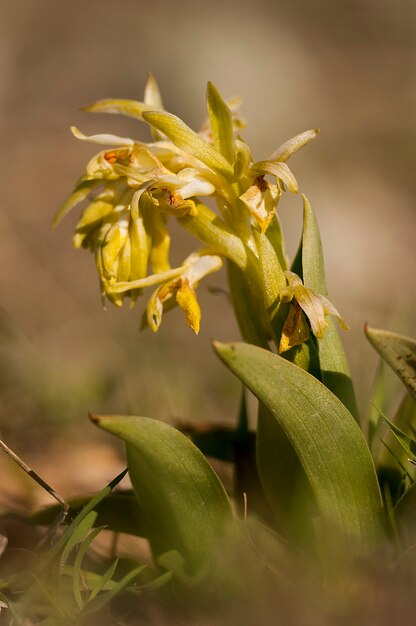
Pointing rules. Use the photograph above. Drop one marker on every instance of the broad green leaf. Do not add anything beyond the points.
(399, 352)
(189, 141)
(220, 120)
(292, 145)
(334, 365)
(283, 479)
(130, 108)
(212, 231)
(326, 438)
(183, 500)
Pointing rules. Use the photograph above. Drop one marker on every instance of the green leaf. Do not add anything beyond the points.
(377, 402)
(119, 512)
(334, 365)
(179, 492)
(220, 120)
(327, 440)
(292, 145)
(189, 141)
(399, 352)
(130, 108)
(393, 448)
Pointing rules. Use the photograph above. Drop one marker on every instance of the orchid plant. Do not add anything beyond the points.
(319, 480)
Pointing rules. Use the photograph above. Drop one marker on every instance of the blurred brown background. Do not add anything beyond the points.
(347, 67)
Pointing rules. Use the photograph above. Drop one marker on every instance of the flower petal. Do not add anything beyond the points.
(188, 140)
(81, 193)
(312, 304)
(261, 200)
(220, 119)
(105, 139)
(275, 168)
(130, 108)
(295, 330)
(187, 300)
(283, 152)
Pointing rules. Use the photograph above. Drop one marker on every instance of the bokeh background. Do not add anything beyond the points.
(347, 67)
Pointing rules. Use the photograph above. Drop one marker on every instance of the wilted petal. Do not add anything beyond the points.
(187, 300)
(295, 330)
(280, 170)
(261, 200)
(313, 304)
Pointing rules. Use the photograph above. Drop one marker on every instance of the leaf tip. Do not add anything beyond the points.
(95, 419)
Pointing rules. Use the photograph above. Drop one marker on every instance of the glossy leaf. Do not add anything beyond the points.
(334, 365)
(182, 498)
(327, 440)
(399, 352)
(220, 120)
(188, 140)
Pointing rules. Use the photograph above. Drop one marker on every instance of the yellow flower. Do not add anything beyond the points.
(312, 304)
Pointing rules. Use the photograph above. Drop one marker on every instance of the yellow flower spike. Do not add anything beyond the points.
(261, 200)
(187, 300)
(314, 305)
